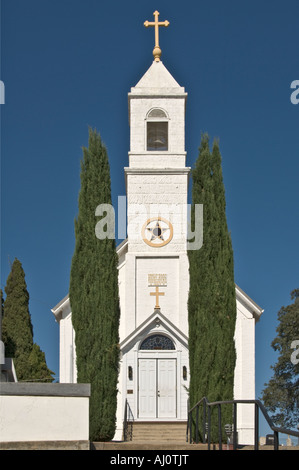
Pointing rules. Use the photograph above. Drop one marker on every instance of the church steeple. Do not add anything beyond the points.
(157, 119)
(157, 115)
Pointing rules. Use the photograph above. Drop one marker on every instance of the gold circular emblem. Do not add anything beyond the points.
(157, 232)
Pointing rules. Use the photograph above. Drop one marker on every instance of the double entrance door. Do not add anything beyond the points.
(157, 394)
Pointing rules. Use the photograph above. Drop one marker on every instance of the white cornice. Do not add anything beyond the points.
(253, 307)
(58, 309)
(152, 171)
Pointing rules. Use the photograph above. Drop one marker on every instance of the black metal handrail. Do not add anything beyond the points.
(128, 419)
(206, 422)
(125, 424)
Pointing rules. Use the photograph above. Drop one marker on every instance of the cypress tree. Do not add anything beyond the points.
(94, 294)
(37, 366)
(17, 329)
(212, 301)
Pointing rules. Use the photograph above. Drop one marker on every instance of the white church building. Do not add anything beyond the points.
(154, 272)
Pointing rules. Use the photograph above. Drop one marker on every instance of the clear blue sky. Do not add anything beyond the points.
(69, 64)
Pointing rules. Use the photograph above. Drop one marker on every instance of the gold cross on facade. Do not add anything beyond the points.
(157, 293)
(157, 51)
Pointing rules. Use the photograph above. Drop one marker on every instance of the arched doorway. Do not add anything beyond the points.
(157, 375)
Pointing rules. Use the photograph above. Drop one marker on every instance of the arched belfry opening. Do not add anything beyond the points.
(157, 130)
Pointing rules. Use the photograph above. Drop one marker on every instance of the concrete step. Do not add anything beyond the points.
(149, 446)
(163, 432)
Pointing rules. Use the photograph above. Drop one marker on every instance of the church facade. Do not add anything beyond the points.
(154, 271)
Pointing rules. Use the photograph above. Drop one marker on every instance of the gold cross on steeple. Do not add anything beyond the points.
(157, 51)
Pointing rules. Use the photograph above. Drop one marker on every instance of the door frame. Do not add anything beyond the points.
(156, 355)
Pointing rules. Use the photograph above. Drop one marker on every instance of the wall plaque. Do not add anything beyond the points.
(157, 280)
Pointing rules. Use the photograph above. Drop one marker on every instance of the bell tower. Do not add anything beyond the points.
(157, 178)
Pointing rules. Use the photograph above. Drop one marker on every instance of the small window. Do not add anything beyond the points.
(157, 135)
